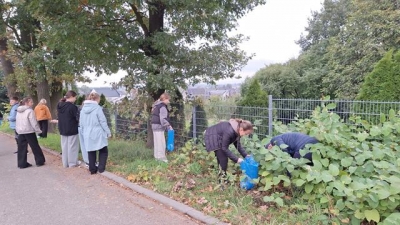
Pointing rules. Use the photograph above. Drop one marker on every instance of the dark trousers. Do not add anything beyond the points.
(222, 160)
(16, 136)
(23, 141)
(16, 140)
(103, 155)
(308, 156)
(44, 127)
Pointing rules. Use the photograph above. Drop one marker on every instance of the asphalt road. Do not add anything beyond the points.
(52, 194)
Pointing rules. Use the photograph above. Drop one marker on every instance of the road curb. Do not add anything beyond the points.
(180, 207)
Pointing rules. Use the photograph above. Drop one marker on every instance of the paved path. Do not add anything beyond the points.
(52, 194)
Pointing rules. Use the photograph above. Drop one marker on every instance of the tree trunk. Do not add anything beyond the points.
(56, 95)
(8, 70)
(156, 24)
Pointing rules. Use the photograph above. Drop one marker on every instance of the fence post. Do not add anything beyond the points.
(194, 123)
(270, 115)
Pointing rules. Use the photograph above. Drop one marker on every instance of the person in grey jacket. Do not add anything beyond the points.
(94, 133)
(159, 123)
(27, 127)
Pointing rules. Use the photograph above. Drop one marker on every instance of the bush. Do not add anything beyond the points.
(252, 106)
(356, 172)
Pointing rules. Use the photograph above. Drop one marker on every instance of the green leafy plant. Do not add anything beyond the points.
(356, 172)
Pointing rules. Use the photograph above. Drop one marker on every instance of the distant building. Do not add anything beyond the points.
(112, 95)
(198, 93)
(223, 94)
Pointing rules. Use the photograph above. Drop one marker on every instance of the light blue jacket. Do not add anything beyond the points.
(93, 127)
(12, 118)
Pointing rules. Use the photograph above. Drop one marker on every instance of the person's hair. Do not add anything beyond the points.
(244, 124)
(25, 100)
(42, 101)
(15, 98)
(165, 96)
(68, 95)
(93, 96)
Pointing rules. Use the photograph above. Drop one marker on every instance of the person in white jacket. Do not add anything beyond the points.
(27, 127)
(94, 133)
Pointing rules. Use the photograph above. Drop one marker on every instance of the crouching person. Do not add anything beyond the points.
(294, 143)
(94, 132)
(27, 127)
(218, 137)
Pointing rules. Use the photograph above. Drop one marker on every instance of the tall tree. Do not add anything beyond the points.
(382, 83)
(371, 29)
(161, 44)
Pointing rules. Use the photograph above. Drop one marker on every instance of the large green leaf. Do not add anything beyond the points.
(372, 215)
(308, 188)
(392, 219)
(346, 162)
(334, 169)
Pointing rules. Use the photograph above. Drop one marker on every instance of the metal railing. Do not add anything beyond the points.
(192, 126)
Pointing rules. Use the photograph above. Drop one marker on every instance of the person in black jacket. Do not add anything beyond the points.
(294, 143)
(218, 138)
(68, 121)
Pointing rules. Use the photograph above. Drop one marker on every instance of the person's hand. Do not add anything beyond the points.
(109, 136)
(240, 160)
(269, 147)
(170, 127)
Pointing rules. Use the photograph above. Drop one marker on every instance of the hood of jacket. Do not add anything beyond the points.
(234, 124)
(157, 103)
(22, 108)
(63, 106)
(89, 106)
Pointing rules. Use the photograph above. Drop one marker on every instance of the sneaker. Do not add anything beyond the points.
(26, 166)
(87, 165)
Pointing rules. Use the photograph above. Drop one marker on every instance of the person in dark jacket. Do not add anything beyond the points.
(294, 143)
(159, 124)
(218, 137)
(68, 121)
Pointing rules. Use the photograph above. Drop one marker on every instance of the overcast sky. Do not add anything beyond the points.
(272, 28)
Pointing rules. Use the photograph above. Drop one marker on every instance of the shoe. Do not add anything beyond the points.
(16, 152)
(87, 165)
(39, 164)
(26, 166)
(94, 172)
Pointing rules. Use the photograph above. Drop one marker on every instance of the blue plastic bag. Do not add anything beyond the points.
(250, 167)
(170, 140)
